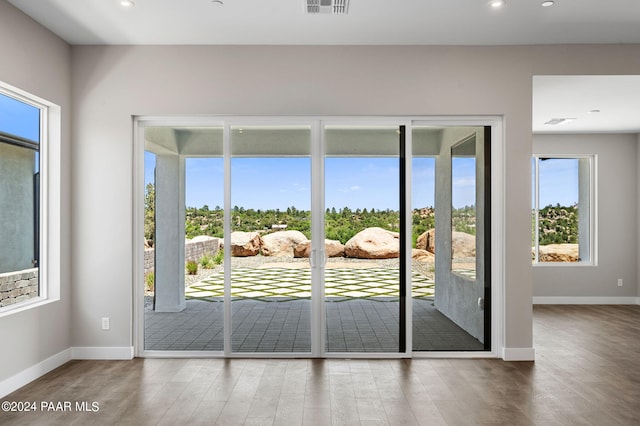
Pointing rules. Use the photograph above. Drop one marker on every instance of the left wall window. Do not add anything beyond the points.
(23, 138)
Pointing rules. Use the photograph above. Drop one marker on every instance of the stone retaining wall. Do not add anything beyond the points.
(193, 250)
(18, 286)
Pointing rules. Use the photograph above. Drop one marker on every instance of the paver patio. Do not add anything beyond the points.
(271, 313)
(282, 284)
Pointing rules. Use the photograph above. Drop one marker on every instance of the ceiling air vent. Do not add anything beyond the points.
(556, 121)
(335, 7)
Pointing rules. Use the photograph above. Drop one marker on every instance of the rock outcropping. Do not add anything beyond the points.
(558, 253)
(281, 243)
(373, 243)
(464, 245)
(245, 244)
(422, 255)
(332, 248)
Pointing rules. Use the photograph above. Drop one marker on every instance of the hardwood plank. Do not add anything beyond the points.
(587, 372)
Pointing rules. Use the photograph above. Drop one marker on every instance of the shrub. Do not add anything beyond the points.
(192, 267)
(206, 262)
(209, 262)
(219, 257)
(150, 281)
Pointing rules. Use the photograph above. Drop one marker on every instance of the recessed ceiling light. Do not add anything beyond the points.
(127, 3)
(497, 3)
(547, 3)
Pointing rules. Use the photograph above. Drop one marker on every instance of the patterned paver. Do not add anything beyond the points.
(283, 284)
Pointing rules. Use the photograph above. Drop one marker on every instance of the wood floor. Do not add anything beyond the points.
(587, 371)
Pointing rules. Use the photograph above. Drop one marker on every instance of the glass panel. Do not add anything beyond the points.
(19, 119)
(423, 261)
(563, 209)
(270, 239)
(463, 211)
(19, 203)
(362, 232)
(446, 312)
(184, 279)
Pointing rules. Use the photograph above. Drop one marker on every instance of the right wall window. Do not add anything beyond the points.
(563, 210)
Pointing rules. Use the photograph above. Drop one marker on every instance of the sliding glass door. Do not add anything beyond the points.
(270, 238)
(363, 238)
(317, 237)
(451, 235)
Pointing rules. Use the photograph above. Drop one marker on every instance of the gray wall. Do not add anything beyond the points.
(16, 202)
(112, 83)
(617, 219)
(35, 60)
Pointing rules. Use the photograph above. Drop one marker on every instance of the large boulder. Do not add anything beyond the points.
(373, 243)
(464, 245)
(422, 255)
(332, 248)
(245, 244)
(281, 243)
(559, 253)
(427, 241)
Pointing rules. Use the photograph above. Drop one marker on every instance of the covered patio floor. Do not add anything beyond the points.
(271, 313)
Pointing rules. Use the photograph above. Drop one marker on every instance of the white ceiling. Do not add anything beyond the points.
(372, 22)
(616, 97)
(388, 22)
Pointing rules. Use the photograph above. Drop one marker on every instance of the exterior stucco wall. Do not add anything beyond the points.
(17, 204)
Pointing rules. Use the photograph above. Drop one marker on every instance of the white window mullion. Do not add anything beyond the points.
(226, 152)
(318, 317)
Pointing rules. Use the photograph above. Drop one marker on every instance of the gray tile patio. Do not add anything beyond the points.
(357, 325)
(271, 311)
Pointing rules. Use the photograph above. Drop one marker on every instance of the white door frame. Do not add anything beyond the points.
(318, 319)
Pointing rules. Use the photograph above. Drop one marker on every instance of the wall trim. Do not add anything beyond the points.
(34, 372)
(519, 354)
(585, 300)
(102, 353)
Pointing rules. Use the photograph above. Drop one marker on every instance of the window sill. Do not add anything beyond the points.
(34, 303)
(563, 264)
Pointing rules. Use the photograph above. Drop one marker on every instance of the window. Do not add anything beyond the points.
(563, 210)
(23, 133)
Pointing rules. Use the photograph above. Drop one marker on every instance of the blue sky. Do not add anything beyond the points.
(278, 183)
(558, 182)
(18, 118)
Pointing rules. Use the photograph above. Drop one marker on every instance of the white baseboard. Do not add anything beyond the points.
(579, 300)
(98, 352)
(35, 371)
(519, 354)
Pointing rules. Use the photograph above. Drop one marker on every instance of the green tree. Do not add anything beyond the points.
(150, 214)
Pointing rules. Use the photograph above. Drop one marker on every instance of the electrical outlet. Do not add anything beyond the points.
(619, 282)
(106, 324)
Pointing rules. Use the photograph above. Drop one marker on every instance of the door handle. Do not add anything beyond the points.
(312, 258)
(314, 254)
